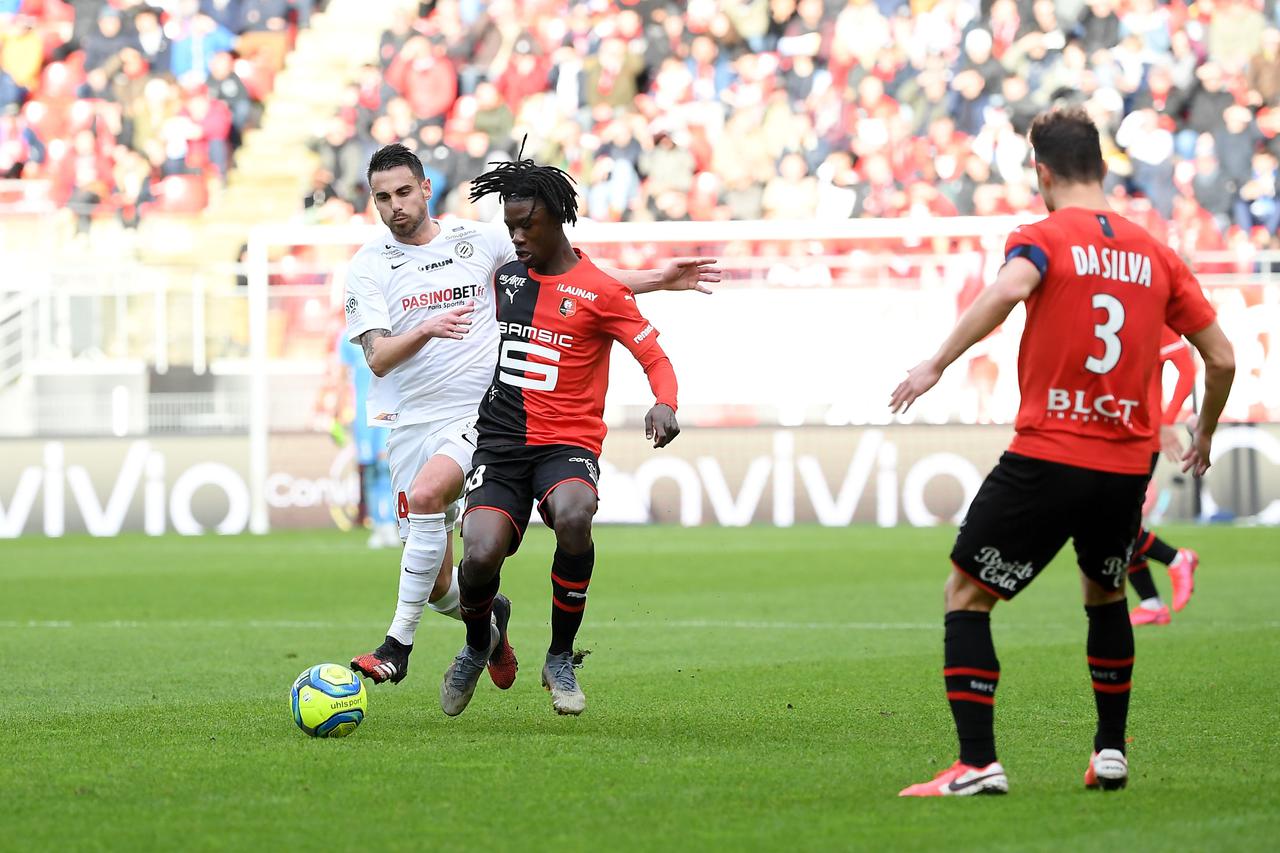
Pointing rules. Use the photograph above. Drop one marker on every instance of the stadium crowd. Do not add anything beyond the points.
(744, 109)
(125, 104)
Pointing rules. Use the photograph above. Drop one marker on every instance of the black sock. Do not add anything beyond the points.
(1110, 651)
(475, 606)
(1151, 545)
(570, 577)
(971, 672)
(1141, 581)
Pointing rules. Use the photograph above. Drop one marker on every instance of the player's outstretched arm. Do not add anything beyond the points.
(678, 274)
(1016, 281)
(1219, 371)
(385, 352)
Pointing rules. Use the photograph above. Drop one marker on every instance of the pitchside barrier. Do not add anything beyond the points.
(171, 399)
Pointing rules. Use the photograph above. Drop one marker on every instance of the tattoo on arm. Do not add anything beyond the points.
(367, 339)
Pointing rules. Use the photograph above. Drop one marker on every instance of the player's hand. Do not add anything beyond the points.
(451, 325)
(690, 274)
(660, 425)
(1171, 443)
(1196, 459)
(919, 379)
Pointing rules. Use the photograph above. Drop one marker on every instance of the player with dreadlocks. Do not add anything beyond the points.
(541, 422)
(420, 300)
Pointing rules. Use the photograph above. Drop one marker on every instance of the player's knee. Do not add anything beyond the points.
(573, 526)
(962, 593)
(426, 499)
(484, 558)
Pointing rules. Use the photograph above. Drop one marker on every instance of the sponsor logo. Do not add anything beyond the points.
(1000, 573)
(435, 266)
(568, 307)
(511, 285)
(352, 306)
(438, 298)
(391, 252)
(644, 333)
(1077, 404)
(458, 228)
(397, 266)
(531, 333)
(387, 417)
(578, 292)
(1124, 267)
(571, 594)
(591, 467)
(464, 250)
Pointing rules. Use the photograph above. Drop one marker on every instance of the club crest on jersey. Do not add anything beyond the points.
(568, 307)
(464, 249)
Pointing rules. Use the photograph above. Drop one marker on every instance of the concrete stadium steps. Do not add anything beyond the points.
(273, 167)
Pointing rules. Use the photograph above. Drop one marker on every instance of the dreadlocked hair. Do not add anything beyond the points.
(526, 179)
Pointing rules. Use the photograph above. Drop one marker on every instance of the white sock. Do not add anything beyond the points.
(1152, 603)
(450, 603)
(419, 566)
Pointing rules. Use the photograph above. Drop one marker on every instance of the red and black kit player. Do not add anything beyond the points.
(1180, 562)
(1099, 290)
(541, 422)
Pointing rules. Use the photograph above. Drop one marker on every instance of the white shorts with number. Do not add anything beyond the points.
(410, 447)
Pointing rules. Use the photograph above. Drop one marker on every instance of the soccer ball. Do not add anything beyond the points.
(328, 701)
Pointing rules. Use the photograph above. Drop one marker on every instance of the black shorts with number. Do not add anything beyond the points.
(1028, 508)
(510, 479)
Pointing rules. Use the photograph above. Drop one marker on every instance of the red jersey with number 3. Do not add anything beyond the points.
(556, 334)
(1091, 344)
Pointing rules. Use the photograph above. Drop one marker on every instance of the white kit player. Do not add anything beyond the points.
(420, 300)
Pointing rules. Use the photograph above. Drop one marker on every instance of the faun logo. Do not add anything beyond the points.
(568, 307)
(464, 250)
(435, 265)
(352, 306)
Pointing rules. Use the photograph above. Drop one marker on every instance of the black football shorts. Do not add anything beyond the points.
(510, 479)
(1028, 508)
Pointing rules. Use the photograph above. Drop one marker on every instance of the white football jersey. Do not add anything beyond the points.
(396, 287)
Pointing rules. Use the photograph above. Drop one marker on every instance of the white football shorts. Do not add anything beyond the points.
(409, 448)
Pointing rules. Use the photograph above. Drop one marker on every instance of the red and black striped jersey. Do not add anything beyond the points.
(553, 362)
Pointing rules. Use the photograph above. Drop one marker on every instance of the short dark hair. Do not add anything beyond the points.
(390, 156)
(1066, 143)
(523, 179)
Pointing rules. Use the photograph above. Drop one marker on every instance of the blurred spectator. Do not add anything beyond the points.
(22, 52)
(108, 39)
(10, 92)
(1149, 144)
(425, 76)
(226, 13)
(1204, 107)
(150, 39)
(225, 85)
(19, 144)
(1234, 141)
(612, 74)
(263, 32)
(210, 130)
(1264, 71)
(1257, 205)
(1235, 33)
(1099, 26)
(195, 41)
(343, 159)
(1210, 187)
(492, 115)
(132, 177)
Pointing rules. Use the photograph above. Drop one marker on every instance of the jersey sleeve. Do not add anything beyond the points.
(365, 304)
(1174, 350)
(1029, 242)
(623, 322)
(1188, 310)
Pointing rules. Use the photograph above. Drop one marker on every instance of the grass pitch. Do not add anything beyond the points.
(747, 689)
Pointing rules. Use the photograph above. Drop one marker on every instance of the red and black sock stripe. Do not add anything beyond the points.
(1110, 650)
(972, 672)
(1150, 545)
(570, 578)
(1140, 579)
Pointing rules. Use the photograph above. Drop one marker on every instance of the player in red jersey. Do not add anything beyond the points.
(1181, 562)
(1098, 290)
(541, 422)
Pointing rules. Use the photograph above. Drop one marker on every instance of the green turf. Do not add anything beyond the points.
(747, 689)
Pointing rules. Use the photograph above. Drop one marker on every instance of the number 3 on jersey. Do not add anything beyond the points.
(1106, 332)
(515, 368)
